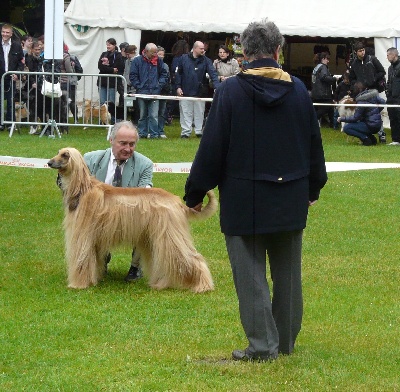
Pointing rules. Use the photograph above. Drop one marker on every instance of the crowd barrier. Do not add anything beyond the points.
(40, 113)
(35, 110)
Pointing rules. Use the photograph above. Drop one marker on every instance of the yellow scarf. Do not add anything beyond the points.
(269, 72)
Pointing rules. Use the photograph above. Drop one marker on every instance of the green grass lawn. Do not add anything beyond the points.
(127, 337)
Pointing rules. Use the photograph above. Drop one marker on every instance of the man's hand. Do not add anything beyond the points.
(179, 92)
(198, 207)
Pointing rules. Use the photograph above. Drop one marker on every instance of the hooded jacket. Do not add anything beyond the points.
(262, 147)
(370, 115)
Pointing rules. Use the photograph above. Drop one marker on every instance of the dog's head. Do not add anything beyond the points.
(64, 160)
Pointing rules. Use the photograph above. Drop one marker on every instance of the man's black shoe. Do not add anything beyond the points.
(242, 355)
(134, 273)
(3, 128)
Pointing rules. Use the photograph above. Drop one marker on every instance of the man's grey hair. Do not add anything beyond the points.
(150, 46)
(393, 51)
(261, 39)
(119, 125)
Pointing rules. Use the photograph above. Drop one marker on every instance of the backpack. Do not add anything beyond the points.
(77, 67)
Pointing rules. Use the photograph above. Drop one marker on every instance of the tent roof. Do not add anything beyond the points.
(341, 18)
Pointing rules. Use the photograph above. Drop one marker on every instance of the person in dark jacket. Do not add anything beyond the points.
(393, 94)
(343, 88)
(366, 68)
(11, 59)
(110, 62)
(262, 147)
(191, 81)
(366, 120)
(322, 82)
(148, 76)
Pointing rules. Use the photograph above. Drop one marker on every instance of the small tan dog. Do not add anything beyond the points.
(91, 111)
(20, 111)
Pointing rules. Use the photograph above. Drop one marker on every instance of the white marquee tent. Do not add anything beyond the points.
(88, 24)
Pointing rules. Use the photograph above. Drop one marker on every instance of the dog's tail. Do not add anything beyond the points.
(207, 211)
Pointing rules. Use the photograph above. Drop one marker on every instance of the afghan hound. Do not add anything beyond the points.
(99, 217)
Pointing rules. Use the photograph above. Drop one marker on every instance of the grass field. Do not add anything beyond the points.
(127, 337)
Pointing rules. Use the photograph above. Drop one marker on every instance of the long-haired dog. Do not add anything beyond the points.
(346, 111)
(99, 217)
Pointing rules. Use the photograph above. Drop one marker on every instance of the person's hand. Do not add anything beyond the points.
(115, 70)
(339, 119)
(197, 208)
(179, 91)
(311, 202)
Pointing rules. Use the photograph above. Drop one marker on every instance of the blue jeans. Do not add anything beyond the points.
(148, 121)
(107, 97)
(162, 107)
(358, 129)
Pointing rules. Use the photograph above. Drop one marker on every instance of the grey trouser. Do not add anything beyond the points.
(270, 326)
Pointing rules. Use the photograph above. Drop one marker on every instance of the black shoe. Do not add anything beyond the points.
(3, 128)
(184, 137)
(373, 140)
(199, 135)
(366, 142)
(134, 273)
(242, 355)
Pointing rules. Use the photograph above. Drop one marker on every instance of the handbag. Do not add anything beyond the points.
(51, 90)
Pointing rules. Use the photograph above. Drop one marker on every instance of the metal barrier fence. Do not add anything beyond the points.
(37, 111)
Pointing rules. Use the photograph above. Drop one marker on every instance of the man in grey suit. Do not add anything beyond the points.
(262, 147)
(122, 166)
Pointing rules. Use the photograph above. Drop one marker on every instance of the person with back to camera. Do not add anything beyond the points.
(322, 82)
(366, 120)
(135, 170)
(269, 171)
(225, 65)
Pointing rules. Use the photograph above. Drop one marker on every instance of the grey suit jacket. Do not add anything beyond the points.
(138, 169)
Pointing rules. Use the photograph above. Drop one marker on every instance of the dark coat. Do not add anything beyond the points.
(262, 147)
(115, 60)
(15, 58)
(341, 91)
(369, 70)
(370, 115)
(148, 78)
(191, 75)
(322, 82)
(393, 85)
